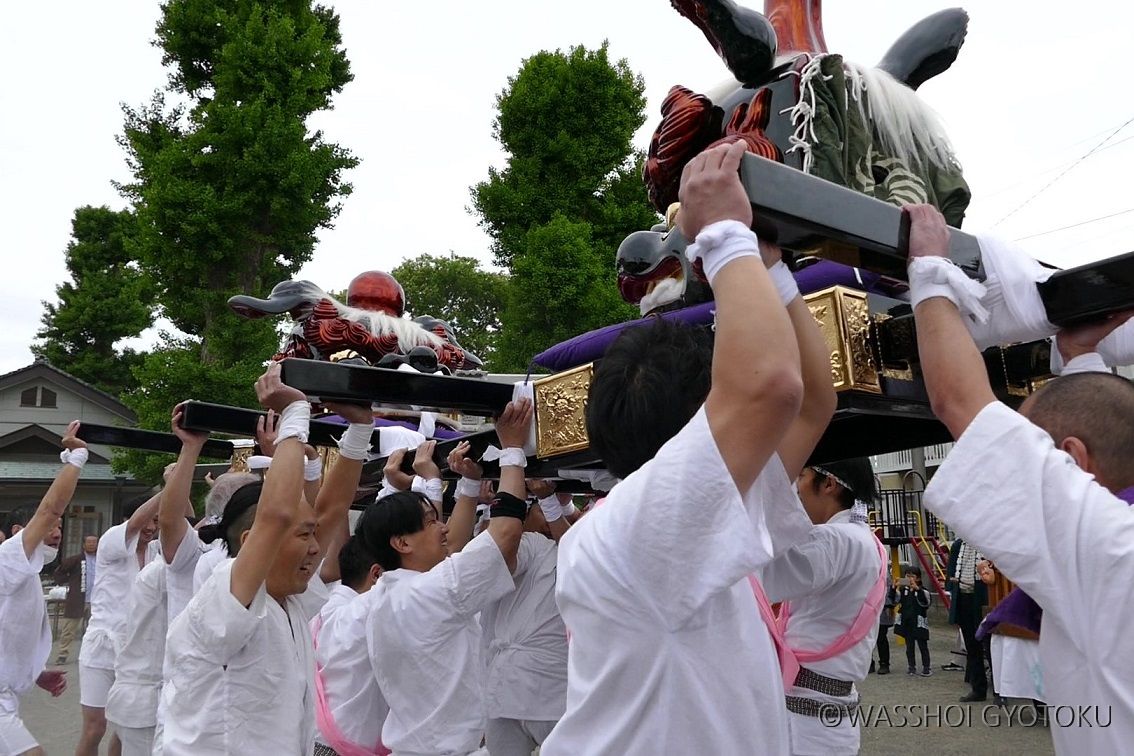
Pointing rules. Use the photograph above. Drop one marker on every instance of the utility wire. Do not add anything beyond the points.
(1063, 173)
(1076, 225)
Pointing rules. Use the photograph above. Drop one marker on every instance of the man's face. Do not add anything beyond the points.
(810, 486)
(298, 557)
(430, 544)
(55, 535)
(149, 530)
(90, 545)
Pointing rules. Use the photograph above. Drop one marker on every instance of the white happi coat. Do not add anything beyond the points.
(425, 648)
(25, 637)
(116, 566)
(241, 679)
(1067, 541)
(826, 576)
(525, 640)
(668, 651)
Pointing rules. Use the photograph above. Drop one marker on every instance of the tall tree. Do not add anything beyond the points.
(107, 299)
(566, 121)
(230, 186)
(457, 290)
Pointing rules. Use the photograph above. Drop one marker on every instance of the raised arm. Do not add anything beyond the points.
(954, 372)
(550, 507)
(756, 383)
(463, 518)
(54, 502)
(282, 492)
(143, 514)
(332, 505)
(819, 400)
(507, 525)
(171, 507)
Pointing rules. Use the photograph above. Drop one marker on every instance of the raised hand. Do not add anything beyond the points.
(514, 424)
(460, 463)
(70, 439)
(395, 478)
(273, 393)
(711, 191)
(541, 489)
(352, 413)
(1085, 337)
(423, 463)
(929, 235)
(266, 428)
(190, 438)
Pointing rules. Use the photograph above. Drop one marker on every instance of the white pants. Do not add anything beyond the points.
(136, 741)
(516, 737)
(94, 685)
(14, 736)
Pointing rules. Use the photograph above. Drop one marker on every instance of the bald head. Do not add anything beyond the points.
(1097, 409)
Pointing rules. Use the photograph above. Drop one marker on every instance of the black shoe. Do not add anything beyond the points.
(951, 667)
(911, 671)
(926, 672)
(871, 670)
(883, 669)
(973, 697)
(998, 700)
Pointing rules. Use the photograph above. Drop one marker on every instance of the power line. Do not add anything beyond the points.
(1003, 189)
(1064, 173)
(1076, 225)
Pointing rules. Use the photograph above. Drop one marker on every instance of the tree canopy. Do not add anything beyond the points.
(107, 299)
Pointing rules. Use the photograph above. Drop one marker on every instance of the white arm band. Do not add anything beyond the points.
(432, 488)
(295, 421)
(569, 509)
(552, 511)
(355, 441)
(720, 243)
(513, 456)
(1091, 362)
(784, 282)
(313, 469)
(938, 277)
(77, 457)
(468, 488)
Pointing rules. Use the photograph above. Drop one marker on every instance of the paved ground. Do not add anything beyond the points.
(56, 721)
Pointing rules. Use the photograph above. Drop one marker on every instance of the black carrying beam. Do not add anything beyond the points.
(803, 212)
(333, 381)
(146, 440)
(236, 421)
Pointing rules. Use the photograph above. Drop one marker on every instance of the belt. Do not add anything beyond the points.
(810, 708)
(822, 684)
(325, 750)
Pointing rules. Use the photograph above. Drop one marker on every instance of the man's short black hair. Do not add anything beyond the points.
(856, 477)
(354, 563)
(134, 504)
(647, 386)
(19, 516)
(398, 514)
(1097, 409)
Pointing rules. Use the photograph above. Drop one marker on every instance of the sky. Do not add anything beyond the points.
(1037, 86)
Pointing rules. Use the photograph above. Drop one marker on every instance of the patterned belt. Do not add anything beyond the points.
(324, 750)
(822, 684)
(811, 708)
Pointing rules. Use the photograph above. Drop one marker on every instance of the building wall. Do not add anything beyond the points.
(69, 406)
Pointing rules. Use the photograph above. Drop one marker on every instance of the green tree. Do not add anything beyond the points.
(107, 299)
(230, 186)
(566, 121)
(457, 290)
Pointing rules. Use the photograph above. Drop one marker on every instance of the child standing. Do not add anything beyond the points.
(913, 623)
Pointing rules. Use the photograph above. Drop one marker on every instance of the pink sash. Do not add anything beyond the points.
(792, 659)
(328, 728)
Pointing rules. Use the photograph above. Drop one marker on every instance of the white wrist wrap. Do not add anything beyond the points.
(468, 488)
(355, 441)
(386, 490)
(313, 469)
(295, 421)
(720, 243)
(1091, 362)
(432, 488)
(569, 509)
(552, 511)
(77, 457)
(784, 282)
(513, 456)
(939, 277)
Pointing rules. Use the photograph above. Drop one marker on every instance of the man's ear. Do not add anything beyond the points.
(244, 536)
(374, 573)
(400, 544)
(1078, 452)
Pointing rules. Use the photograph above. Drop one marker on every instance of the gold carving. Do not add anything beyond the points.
(843, 316)
(560, 411)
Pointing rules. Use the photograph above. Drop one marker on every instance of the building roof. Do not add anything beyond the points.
(46, 471)
(44, 369)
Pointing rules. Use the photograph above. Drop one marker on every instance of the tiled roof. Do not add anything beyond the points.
(48, 470)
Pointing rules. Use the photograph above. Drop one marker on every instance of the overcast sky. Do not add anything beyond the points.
(1035, 88)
